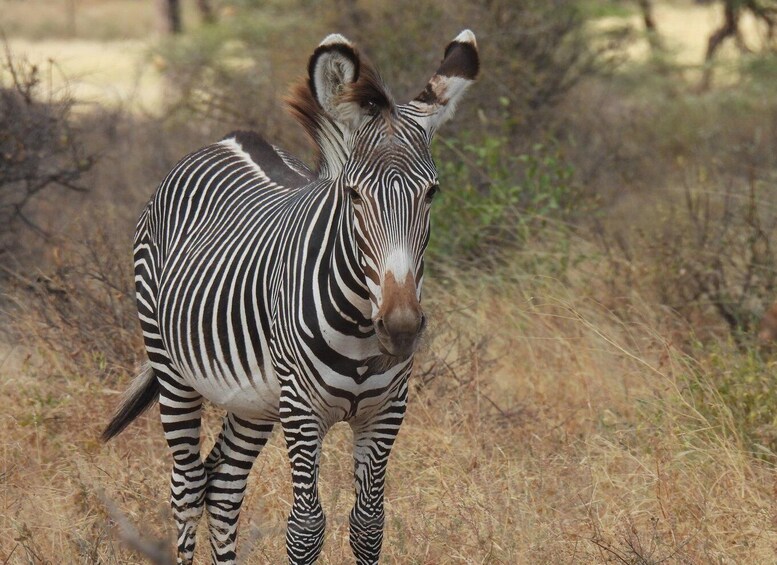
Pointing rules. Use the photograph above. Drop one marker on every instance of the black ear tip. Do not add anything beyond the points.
(461, 57)
(333, 43)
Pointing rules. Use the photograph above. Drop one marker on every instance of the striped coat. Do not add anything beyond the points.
(286, 295)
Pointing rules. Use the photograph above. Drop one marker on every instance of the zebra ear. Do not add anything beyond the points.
(458, 70)
(333, 68)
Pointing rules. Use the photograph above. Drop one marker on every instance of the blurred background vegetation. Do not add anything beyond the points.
(614, 153)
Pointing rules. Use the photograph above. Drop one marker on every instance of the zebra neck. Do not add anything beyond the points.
(333, 148)
(346, 280)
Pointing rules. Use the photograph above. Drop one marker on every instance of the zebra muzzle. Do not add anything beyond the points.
(400, 319)
(399, 332)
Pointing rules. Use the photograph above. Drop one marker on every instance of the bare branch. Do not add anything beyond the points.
(155, 551)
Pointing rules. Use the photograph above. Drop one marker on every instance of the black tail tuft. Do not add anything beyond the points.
(141, 394)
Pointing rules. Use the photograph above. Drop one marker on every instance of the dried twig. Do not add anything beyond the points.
(155, 551)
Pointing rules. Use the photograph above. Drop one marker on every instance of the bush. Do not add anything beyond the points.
(735, 392)
(39, 146)
(234, 73)
(494, 199)
(533, 53)
(80, 314)
(500, 188)
(711, 256)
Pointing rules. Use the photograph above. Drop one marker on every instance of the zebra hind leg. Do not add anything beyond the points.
(180, 407)
(228, 466)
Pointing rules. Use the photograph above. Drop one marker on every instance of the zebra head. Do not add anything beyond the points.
(378, 154)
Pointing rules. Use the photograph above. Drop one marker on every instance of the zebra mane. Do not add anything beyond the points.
(367, 91)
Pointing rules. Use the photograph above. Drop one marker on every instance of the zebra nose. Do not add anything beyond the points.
(398, 331)
(403, 322)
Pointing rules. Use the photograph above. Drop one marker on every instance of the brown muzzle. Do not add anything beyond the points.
(400, 320)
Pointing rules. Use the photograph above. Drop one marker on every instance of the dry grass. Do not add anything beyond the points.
(563, 438)
(542, 428)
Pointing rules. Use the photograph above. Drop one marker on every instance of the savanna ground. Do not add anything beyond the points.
(590, 390)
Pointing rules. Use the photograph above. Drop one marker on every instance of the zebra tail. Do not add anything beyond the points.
(141, 394)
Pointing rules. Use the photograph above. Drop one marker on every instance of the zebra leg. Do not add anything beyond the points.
(305, 532)
(228, 466)
(373, 440)
(180, 407)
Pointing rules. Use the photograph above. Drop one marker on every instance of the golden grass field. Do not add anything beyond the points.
(545, 425)
(556, 434)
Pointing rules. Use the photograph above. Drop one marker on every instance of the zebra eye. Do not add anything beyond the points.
(433, 190)
(355, 196)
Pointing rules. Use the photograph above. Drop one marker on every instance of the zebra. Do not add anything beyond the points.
(283, 294)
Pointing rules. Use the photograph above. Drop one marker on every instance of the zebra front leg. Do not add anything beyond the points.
(228, 465)
(180, 408)
(305, 531)
(373, 439)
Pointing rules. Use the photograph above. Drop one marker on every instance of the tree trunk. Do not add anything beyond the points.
(646, 6)
(169, 16)
(730, 27)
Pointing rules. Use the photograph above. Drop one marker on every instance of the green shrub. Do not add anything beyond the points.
(735, 392)
(500, 189)
(533, 52)
(232, 74)
(493, 198)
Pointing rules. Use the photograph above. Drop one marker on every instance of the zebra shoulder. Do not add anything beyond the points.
(276, 164)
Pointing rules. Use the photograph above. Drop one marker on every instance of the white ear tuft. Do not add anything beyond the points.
(466, 36)
(334, 38)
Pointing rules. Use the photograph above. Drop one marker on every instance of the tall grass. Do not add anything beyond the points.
(542, 428)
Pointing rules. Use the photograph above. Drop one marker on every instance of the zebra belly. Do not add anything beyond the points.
(259, 396)
(256, 396)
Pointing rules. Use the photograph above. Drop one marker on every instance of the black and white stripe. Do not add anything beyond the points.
(292, 297)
